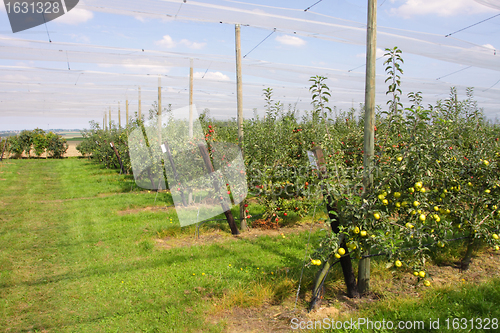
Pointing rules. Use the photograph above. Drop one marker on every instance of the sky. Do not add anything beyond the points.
(101, 52)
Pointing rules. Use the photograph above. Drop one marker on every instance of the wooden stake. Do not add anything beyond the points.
(239, 96)
(119, 116)
(369, 136)
(105, 121)
(174, 169)
(139, 110)
(117, 156)
(191, 134)
(110, 118)
(345, 261)
(191, 99)
(225, 207)
(126, 106)
(159, 109)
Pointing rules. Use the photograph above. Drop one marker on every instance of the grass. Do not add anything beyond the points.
(70, 262)
(439, 306)
(81, 253)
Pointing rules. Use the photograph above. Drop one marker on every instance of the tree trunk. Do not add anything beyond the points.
(464, 264)
(331, 206)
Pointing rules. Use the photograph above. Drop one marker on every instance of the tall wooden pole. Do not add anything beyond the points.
(239, 98)
(119, 116)
(110, 118)
(104, 122)
(126, 107)
(139, 111)
(191, 98)
(191, 116)
(159, 110)
(369, 139)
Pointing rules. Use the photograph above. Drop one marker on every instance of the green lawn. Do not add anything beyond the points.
(71, 261)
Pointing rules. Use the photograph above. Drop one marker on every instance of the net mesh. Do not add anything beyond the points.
(108, 75)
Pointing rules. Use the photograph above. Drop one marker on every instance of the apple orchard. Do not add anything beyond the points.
(435, 176)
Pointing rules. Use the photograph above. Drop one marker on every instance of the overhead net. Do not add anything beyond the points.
(42, 90)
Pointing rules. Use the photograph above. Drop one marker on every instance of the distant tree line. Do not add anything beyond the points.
(37, 141)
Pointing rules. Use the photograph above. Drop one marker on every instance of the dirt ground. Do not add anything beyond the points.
(217, 236)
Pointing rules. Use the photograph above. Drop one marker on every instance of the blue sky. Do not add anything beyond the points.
(94, 27)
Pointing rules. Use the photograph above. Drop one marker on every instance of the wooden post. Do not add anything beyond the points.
(239, 97)
(369, 136)
(191, 85)
(139, 109)
(150, 176)
(119, 116)
(110, 118)
(126, 106)
(331, 206)
(225, 207)
(118, 156)
(174, 169)
(159, 109)
(191, 98)
(105, 121)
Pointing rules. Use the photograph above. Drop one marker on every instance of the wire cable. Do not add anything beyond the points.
(311, 6)
(46, 29)
(473, 25)
(364, 64)
(439, 78)
(260, 42)
(207, 70)
(491, 86)
(67, 59)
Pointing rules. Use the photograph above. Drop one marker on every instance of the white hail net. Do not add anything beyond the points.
(47, 88)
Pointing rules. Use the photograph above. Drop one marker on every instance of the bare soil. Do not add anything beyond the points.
(217, 236)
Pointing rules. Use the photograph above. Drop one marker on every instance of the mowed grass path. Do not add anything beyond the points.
(70, 263)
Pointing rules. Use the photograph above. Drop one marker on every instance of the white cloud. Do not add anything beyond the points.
(489, 46)
(16, 78)
(142, 68)
(140, 18)
(192, 45)
(75, 16)
(105, 65)
(438, 7)
(318, 63)
(218, 76)
(485, 48)
(80, 38)
(290, 40)
(169, 43)
(147, 69)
